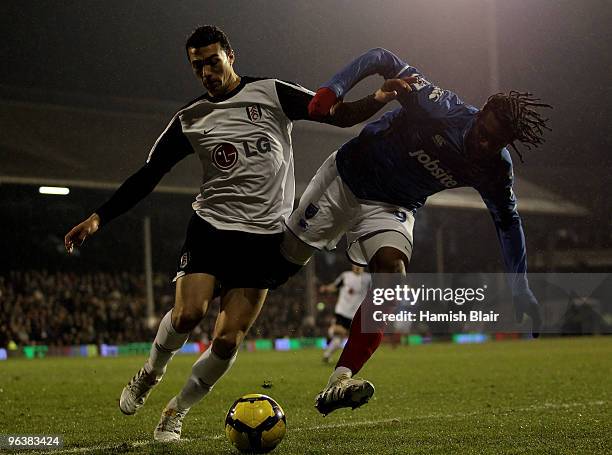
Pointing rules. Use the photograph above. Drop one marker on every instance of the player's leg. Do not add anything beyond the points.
(384, 241)
(193, 294)
(330, 330)
(388, 261)
(239, 310)
(195, 282)
(342, 390)
(339, 331)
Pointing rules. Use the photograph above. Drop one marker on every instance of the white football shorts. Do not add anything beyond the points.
(328, 209)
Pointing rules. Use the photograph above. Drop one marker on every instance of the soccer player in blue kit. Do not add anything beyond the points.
(371, 188)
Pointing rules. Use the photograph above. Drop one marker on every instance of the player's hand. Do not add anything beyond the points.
(527, 304)
(321, 104)
(326, 288)
(392, 88)
(80, 232)
(323, 289)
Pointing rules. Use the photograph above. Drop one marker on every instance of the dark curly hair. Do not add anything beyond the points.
(519, 119)
(208, 34)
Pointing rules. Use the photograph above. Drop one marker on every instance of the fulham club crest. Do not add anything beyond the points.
(254, 112)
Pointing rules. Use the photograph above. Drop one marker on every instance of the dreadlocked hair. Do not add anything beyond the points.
(516, 112)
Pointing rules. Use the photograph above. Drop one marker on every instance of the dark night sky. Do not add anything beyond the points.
(558, 49)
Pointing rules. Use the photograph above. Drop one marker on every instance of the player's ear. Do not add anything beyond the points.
(231, 57)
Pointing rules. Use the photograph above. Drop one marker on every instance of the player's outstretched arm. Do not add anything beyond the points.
(171, 147)
(132, 191)
(512, 241)
(297, 103)
(328, 288)
(333, 286)
(346, 114)
(375, 61)
(502, 206)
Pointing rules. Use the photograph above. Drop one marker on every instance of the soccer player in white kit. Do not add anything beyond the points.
(241, 130)
(352, 287)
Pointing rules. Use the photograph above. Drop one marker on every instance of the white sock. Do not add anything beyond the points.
(333, 346)
(167, 342)
(173, 404)
(338, 372)
(205, 373)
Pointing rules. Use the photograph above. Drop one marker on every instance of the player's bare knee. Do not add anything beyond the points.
(226, 344)
(186, 318)
(389, 260)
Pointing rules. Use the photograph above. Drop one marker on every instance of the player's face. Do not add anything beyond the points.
(214, 67)
(487, 135)
(357, 269)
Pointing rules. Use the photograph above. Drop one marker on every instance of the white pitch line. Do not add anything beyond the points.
(359, 423)
(452, 416)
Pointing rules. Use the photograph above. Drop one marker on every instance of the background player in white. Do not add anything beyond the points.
(240, 129)
(352, 287)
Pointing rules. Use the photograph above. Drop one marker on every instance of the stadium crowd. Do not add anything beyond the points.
(67, 308)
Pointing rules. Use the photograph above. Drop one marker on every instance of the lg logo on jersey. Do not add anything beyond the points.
(262, 145)
(225, 156)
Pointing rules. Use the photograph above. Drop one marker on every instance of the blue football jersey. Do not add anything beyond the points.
(419, 149)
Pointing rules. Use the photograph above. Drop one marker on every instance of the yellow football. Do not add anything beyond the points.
(255, 423)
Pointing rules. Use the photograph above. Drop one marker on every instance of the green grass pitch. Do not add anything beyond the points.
(541, 396)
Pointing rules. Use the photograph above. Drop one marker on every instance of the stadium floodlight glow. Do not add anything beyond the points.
(61, 190)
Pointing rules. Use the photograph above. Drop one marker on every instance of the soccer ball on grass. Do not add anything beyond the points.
(255, 424)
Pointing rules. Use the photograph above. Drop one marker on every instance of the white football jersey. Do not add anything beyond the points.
(353, 289)
(243, 141)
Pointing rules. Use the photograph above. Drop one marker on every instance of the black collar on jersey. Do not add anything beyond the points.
(243, 81)
(216, 99)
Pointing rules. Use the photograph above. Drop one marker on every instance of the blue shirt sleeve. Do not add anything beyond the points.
(424, 101)
(375, 61)
(501, 202)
